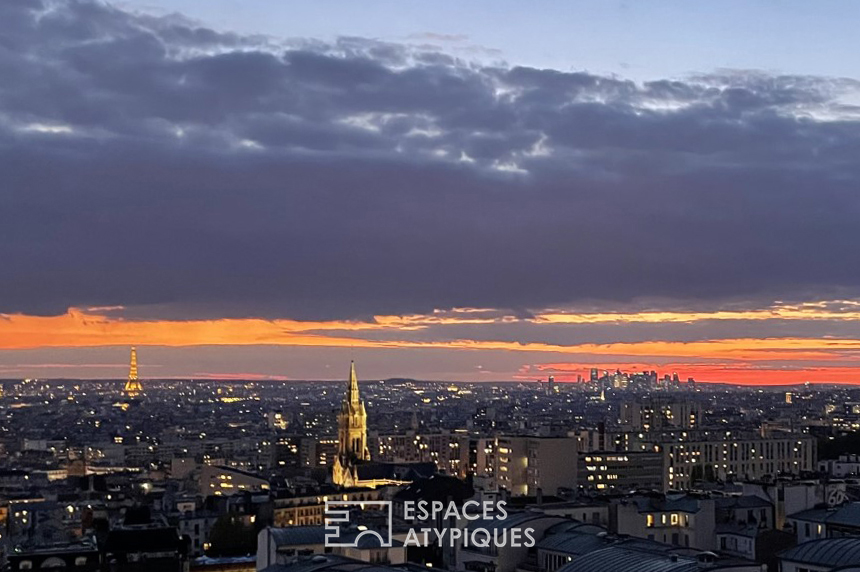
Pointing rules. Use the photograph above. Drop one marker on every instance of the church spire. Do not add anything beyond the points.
(352, 395)
(351, 434)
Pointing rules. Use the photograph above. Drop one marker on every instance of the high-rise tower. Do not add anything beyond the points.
(550, 386)
(132, 385)
(351, 433)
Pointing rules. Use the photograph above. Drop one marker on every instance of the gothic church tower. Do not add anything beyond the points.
(351, 434)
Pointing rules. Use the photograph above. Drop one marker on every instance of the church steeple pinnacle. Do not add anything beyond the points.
(352, 395)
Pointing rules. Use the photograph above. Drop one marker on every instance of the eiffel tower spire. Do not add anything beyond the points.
(132, 386)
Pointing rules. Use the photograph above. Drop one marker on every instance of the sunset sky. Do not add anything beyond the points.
(460, 191)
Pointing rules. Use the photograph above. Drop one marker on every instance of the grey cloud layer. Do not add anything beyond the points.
(153, 163)
(576, 334)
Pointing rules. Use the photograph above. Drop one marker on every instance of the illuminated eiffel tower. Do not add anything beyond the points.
(132, 386)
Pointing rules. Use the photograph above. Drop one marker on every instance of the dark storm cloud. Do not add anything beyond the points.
(612, 333)
(154, 163)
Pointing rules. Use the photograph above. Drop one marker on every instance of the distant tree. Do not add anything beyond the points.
(700, 475)
(231, 537)
(846, 445)
(710, 477)
(696, 474)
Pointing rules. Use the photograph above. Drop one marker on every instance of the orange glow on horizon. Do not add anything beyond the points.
(765, 360)
(850, 311)
(737, 374)
(76, 328)
(79, 329)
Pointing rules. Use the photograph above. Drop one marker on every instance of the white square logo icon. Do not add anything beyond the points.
(338, 514)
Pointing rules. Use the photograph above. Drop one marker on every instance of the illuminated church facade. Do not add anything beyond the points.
(351, 435)
(353, 467)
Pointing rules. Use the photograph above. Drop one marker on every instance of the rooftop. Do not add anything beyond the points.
(331, 562)
(628, 559)
(846, 515)
(829, 552)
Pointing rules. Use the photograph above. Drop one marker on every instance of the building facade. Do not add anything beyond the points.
(626, 471)
(525, 465)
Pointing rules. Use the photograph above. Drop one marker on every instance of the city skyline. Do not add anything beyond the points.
(251, 205)
(491, 286)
